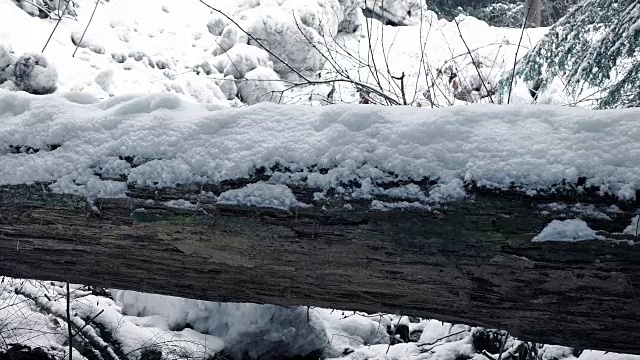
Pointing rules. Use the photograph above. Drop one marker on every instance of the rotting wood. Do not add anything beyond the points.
(472, 262)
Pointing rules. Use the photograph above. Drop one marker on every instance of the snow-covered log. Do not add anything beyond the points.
(526, 220)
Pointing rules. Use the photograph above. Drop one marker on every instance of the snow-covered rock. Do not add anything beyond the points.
(262, 84)
(228, 87)
(288, 29)
(241, 59)
(229, 37)
(33, 73)
(217, 24)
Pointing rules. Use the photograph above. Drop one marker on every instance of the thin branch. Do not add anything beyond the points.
(69, 322)
(474, 63)
(504, 343)
(515, 58)
(401, 79)
(86, 28)
(87, 323)
(442, 338)
(57, 23)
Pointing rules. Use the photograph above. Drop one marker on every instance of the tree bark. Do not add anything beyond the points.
(533, 13)
(470, 262)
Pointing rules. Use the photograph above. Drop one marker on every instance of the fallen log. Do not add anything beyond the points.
(471, 261)
(425, 212)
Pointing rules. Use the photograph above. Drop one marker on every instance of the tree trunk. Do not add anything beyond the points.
(533, 13)
(470, 262)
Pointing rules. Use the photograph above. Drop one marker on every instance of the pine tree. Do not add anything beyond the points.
(503, 13)
(596, 45)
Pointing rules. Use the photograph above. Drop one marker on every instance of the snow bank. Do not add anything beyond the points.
(567, 230)
(530, 148)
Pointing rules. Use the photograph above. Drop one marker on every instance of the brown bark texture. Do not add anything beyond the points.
(469, 262)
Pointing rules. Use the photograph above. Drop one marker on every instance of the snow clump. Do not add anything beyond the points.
(261, 195)
(262, 84)
(567, 230)
(30, 72)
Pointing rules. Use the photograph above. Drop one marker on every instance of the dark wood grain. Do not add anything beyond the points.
(472, 262)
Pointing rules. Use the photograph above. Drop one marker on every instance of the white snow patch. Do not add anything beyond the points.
(402, 205)
(180, 204)
(634, 228)
(262, 195)
(567, 230)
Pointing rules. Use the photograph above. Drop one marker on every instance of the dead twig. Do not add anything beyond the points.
(86, 28)
(57, 23)
(475, 65)
(69, 322)
(515, 58)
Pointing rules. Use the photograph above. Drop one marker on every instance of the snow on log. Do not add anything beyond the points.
(522, 218)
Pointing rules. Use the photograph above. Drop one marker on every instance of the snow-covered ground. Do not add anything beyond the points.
(134, 324)
(148, 46)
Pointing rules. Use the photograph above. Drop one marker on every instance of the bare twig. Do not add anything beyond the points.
(401, 79)
(504, 343)
(86, 28)
(87, 323)
(515, 58)
(57, 23)
(475, 65)
(442, 338)
(69, 322)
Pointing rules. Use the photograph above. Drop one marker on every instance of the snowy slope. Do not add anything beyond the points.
(148, 46)
(120, 28)
(175, 142)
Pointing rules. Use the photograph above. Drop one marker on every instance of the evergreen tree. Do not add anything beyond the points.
(504, 13)
(596, 45)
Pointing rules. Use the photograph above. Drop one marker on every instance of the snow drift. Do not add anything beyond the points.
(84, 145)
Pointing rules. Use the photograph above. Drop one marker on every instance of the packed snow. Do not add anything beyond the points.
(567, 230)
(173, 142)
